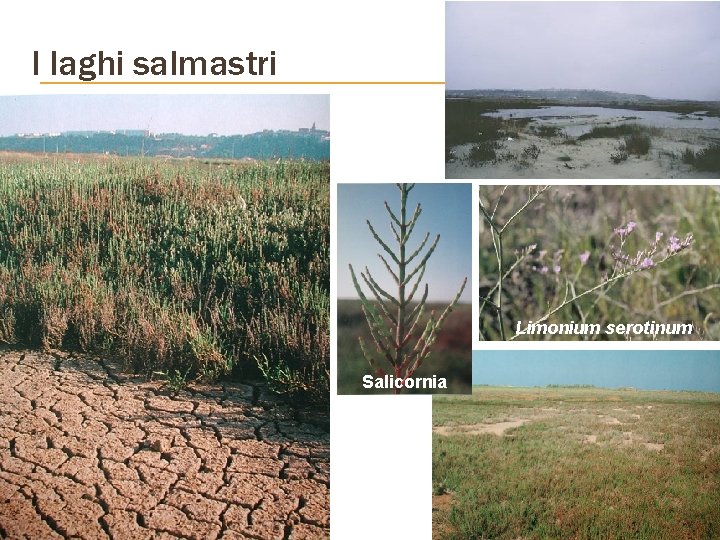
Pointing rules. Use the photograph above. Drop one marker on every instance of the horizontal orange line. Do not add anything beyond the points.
(242, 82)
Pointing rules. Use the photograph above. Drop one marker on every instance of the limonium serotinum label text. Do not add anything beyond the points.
(647, 328)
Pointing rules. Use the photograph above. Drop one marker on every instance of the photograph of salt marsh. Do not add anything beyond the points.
(568, 445)
(582, 90)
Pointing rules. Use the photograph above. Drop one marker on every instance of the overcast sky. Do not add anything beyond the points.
(647, 370)
(661, 49)
(168, 113)
(446, 210)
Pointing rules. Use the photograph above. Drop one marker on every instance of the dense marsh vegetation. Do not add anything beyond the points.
(195, 270)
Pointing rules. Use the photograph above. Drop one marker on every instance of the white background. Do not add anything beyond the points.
(380, 446)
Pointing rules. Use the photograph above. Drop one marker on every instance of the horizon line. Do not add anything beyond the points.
(510, 89)
(151, 132)
(591, 387)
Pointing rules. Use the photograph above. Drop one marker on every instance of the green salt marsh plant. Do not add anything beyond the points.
(707, 159)
(204, 269)
(394, 319)
(637, 143)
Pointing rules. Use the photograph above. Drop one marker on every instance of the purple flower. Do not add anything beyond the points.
(658, 236)
(622, 232)
(674, 244)
(544, 270)
(557, 268)
(584, 257)
(647, 262)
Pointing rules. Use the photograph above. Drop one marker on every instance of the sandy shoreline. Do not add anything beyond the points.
(588, 159)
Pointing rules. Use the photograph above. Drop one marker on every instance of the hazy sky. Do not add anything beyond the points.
(169, 113)
(446, 210)
(647, 370)
(661, 49)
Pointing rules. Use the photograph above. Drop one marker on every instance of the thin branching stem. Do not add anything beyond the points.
(394, 336)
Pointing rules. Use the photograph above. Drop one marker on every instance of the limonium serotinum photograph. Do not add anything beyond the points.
(599, 263)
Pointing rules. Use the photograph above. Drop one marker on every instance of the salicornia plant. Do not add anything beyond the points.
(394, 320)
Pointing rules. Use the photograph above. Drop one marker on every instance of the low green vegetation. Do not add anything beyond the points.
(531, 152)
(637, 143)
(195, 270)
(576, 463)
(465, 123)
(547, 131)
(636, 139)
(622, 130)
(619, 156)
(484, 151)
(707, 159)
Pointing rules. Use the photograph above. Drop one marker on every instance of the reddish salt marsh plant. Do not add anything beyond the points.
(394, 320)
(205, 270)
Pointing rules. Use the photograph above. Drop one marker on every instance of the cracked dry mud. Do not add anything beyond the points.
(88, 451)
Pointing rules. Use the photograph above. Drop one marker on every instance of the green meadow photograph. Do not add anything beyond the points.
(580, 445)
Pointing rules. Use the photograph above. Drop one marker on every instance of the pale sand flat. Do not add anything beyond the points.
(498, 428)
(589, 158)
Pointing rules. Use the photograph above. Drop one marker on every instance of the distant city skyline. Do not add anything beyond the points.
(659, 49)
(645, 370)
(149, 133)
(163, 113)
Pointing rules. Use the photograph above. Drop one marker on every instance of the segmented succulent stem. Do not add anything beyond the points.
(393, 320)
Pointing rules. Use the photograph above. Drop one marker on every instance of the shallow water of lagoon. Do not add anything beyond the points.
(576, 121)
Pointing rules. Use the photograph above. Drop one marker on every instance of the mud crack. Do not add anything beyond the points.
(93, 452)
